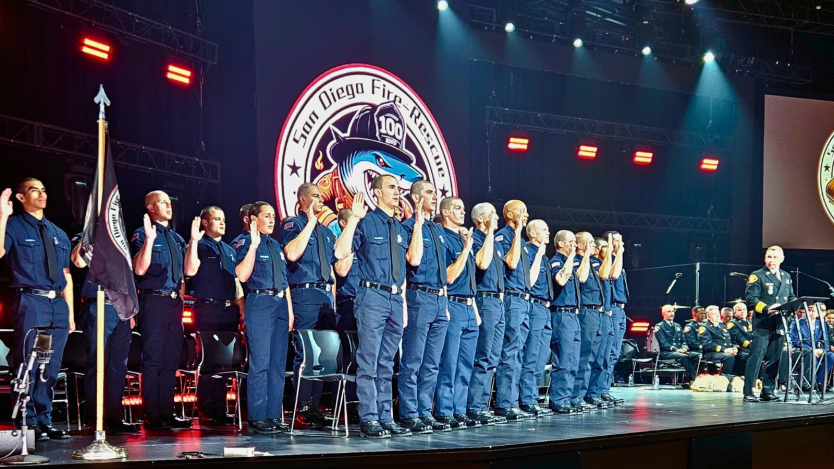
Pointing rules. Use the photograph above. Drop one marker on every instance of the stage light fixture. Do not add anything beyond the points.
(709, 164)
(96, 48)
(645, 37)
(709, 57)
(507, 14)
(587, 151)
(639, 326)
(509, 27)
(643, 157)
(690, 2)
(646, 50)
(442, 5)
(576, 29)
(577, 43)
(179, 74)
(518, 143)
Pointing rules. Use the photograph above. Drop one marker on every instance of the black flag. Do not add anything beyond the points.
(105, 244)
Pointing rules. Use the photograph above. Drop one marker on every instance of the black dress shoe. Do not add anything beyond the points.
(395, 429)
(512, 414)
(451, 422)
(530, 410)
(176, 422)
(751, 398)
(466, 421)
(309, 418)
(596, 402)
(262, 427)
(373, 429)
(120, 427)
(563, 409)
(435, 425)
(50, 433)
(609, 398)
(481, 417)
(768, 398)
(280, 426)
(581, 406)
(416, 426)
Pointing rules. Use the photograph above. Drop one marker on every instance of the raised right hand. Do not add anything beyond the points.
(254, 233)
(520, 220)
(359, 209)
(6, 207)
(150, 229)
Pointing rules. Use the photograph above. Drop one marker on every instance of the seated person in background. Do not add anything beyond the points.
(726, 314)
(800, 333)
(716, 342)
(690, 331)
(669, 336)
(829, 329)
(741, 332)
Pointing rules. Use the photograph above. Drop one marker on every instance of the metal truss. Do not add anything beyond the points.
(609, 130)
(70, 142)
(125, 23)
(612, 33)
(573, 218)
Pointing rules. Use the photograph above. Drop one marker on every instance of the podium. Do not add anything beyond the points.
(786, 309)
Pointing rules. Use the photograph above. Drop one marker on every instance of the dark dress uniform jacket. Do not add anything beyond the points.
(715, 338)
(669, 337)
(763, 290)
(741, 332)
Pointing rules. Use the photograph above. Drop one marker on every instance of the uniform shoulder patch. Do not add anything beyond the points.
(134, 237)
(657, 327)
(687, 328)
(730, 325)
(238, 243)
(499, 238)
(752, 279)
(289, 225)
(701, 330)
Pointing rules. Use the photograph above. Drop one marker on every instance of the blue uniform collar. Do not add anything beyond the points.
(380, 213)
(30, 219)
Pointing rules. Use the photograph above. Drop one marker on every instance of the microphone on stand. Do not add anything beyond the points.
(830, 288)
(672, 285)
(738, 274)
(43, 347)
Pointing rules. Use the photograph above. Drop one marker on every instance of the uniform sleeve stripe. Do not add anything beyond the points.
(760, 306)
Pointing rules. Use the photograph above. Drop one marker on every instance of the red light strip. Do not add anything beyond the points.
(643, 157)
(587, 152)
(179, 74)
(709, 164)
(518, 144)
(640, 326)
(96, 48)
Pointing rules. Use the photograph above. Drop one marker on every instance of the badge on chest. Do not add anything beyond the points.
(769, 288)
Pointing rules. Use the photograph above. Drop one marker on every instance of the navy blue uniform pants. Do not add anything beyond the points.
(590, 324)
(422, 344)
(618, 329)
(29, 311)
(597, 384)
(456, 361)
(347, 322)
(379, 319)
(487, 352)
(508, 373)
(267, 331)
(211, 392)
(313, 309)
(533, 347)
(117, 336)
(160, 320)
(564, 345)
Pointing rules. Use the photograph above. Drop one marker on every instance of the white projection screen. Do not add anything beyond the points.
(798, 193)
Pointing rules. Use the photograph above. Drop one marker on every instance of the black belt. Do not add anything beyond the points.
(318, 286)
(537, 301)
(93, 301)
(170, 294)
(523, 296)
(269, 292)
(489, 294)
(392, 289)
(593, 307)
(341, 297)
(51, 294)
(620, 305)
(429, 290)
(564, 309)
(464, 300)
(212, 301)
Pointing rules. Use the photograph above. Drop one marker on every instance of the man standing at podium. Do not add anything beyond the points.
(767, 290)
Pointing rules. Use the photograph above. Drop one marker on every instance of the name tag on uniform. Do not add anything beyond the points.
(769, 288)
(556, 264)
(399, 239)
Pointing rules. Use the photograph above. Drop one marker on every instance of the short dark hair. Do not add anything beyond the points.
(256, 208)
(305, 189)
(447, 202)
(417, 187)
(20, 186)
(377, 184)
(344, 215)
(244, 212)
(206, 212)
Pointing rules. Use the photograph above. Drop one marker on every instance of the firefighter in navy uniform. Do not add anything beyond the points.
(37, 252)
(219, 303)
(690, 332)
(669, 336)
(767, 289)
(741, 331)
(716, 341)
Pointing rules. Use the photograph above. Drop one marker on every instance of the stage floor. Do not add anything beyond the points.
(646, 412)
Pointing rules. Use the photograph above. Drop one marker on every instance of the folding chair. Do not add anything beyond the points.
(222, 356)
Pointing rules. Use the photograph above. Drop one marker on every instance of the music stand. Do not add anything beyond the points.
(790, 307)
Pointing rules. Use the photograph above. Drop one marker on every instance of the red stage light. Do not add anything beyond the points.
(639, 326)
(179, 74)
(518, 144)
(587, 152)
(187, 316)
(709, 164)
(96, 48)
(643, 158)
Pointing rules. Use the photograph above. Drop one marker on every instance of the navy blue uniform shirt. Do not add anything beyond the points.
(25, 253)
(590, 292)
(370, 243)
(346, 286)
(159, 275)
(462, 285)
(428, 272)
(306, 269)
(540, 289)
(487, 280)
(566, 296)
(212, 281)
(607, 291)
(262, 277)
(619, 286)
(513, 279)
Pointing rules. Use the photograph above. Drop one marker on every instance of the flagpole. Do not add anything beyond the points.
(100, 449)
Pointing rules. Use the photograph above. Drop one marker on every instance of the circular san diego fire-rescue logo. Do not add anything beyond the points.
(825, 177)
(352, 123)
